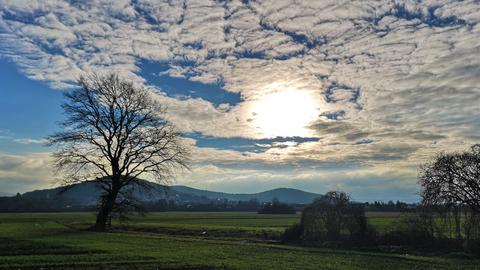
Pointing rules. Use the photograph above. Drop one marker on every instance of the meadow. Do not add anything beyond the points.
(189, 240)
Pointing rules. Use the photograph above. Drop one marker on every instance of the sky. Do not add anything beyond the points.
(315, 95)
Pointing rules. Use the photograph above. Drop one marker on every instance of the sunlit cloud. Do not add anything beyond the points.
(284, 112)
(378, 84)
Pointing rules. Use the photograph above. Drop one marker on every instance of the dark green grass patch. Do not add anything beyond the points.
(11, 247)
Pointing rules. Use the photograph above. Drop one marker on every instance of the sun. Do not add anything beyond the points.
(285, 113)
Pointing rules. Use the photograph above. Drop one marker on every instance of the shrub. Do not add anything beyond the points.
(325, 217)
(293, 233)
(418, 231)
(333, 219)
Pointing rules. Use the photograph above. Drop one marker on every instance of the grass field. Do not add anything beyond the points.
(187, 240)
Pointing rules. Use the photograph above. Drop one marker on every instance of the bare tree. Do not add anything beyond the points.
(452, 180)
(115, 132)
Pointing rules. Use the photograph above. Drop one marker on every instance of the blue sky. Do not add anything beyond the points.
(183, 88)
(316, 95)
(28, 110)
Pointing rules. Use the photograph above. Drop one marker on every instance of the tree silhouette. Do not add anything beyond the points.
(113, 133)
(452, 180)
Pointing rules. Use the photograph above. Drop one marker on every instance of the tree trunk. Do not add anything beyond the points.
(104, 212)
(457, 216)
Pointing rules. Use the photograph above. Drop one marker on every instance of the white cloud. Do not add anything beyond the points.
(403, 76)
(30, 141)
(21, 173)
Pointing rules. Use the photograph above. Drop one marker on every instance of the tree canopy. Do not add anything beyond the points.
(452, 179)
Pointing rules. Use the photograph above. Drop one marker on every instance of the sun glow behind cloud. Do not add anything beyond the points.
(386, 83)
(285, 113)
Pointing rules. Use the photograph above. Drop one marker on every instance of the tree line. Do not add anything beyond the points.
(60, 203)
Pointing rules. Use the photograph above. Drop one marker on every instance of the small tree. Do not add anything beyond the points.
(325, 217)
(113, 133)
(331, 215)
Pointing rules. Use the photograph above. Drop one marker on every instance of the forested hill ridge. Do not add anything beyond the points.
(287, 195)
(86, 194)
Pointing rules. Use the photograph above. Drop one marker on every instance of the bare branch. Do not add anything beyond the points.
(452, 180)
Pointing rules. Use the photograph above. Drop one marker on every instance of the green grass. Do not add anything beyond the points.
(176, 241)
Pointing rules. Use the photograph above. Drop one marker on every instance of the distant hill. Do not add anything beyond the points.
(87, 194)
(288, 195)
(4, 194)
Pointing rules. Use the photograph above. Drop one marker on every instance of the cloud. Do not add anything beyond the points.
(30, 141)
(21, 173)
(10, 136)
(373, 183)
(394, 81)
(5, 134)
